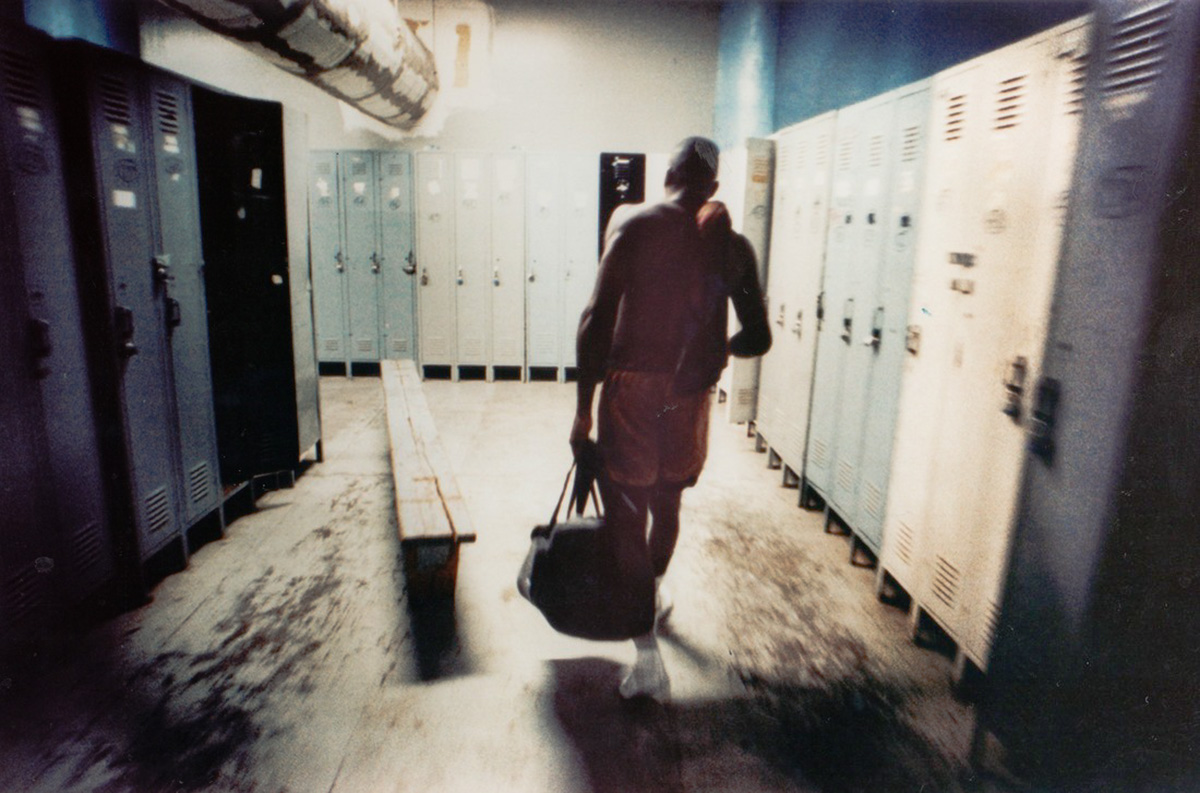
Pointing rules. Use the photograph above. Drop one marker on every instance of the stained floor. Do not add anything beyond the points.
(286, 657)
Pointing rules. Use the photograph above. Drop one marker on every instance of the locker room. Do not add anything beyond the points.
(290, 292)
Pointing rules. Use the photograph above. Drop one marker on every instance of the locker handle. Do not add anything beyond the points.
(798, 325)
(779, 319)
(460, 277)
(376, 263)
(912, 340)
(1043, 419)
(532, 276)
(411, 267)
(1014, 387)
(424, 276)
(820, 310)
(339, 263)
(123, 322)
(174, 313)
(847, 319)
(496, 276)
(40, 346)
(161, 267)
(876, 337)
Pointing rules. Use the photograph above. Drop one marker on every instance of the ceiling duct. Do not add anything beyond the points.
(360, 51)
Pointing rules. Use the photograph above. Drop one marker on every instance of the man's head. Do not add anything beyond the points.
(693, 169)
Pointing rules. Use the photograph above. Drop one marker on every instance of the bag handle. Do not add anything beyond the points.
(580, 502)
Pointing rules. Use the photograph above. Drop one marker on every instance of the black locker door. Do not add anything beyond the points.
(125, 292)
(239, 146)
(38, 234)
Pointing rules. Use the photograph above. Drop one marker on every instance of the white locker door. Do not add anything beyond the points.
(544, 252)
(435, 258)
(786, 222)
(508, 260)
(800, 314)
(836, 332)
(1033, 139)
(360, 209)
(746, 184)
(866, 331)
(945, 215)
(581, 189)
(473, 256)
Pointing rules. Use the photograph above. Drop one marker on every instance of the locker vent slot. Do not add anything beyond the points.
(400, 346)
(365, 345)
(324, 169)
(873, 500)
(270, 446)
(845, 476)
(1076, 84)
(911, 148)
(1010, 102)
(875, 152)
(358, 167)
(158, 511)
(946, 580)
(1136, 51)
(87, 548)
(820, 453)
(23, 594)
(333, 345)
(115, 100)
(395, 169)
(168, 113)
(198, 481)
(904, 542)
(991, 624)
(20, 80)
(822, 151)
(799, 155)
(956, 117)
(845, 156)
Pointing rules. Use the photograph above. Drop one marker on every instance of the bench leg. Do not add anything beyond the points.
(430, 569)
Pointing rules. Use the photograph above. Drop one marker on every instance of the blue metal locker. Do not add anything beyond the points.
(360, 250)
(397, 256)
(37, 233)
(112, 187)
(179, 259)
(1092, 676)
(328, 258)
(909, 134)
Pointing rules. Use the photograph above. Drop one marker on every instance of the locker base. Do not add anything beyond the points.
(889, 591)
(860, 554)
(433, 372)
(364, 369)
(834, 524)
(810, 499)
(751, 428)
(472, 373)
(237, 501)
(966, 678)
(760, 443)
(513, 373)
(774, 461)
(543, 374)
(722, 397)
(207, 529)
(171, 558)
(791, 479)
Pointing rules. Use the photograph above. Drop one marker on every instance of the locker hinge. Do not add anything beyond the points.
(1045, 415)
(411, 267)
(876, 337)
(1014, 387)
(376, 263)
(848, 320)
(174, 313)
(339, 262)
(161, 267)
(123, 323)
(40, 346)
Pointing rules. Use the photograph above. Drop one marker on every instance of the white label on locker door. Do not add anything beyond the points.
(171, 144)
(395, 193)
(360, 188)
(125, 199)
(323, 187)
(256, 178)
(434, 187)
(30, 119)
(122, 140)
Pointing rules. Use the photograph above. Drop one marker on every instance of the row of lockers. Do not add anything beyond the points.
(461, 259)
(982, 327)
(913, 255)
(135, 203)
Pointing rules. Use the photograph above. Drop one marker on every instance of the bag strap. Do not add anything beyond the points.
(561, 496)
(578, 503)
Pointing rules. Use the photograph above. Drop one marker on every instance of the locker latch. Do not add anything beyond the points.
(876, 337)
(962, 259)
(496, 276)
(964, 285)
(161, 266)
(339, 262)
(798, 325)
(123, 323)
(424, 276)
(376, 263)
(459, 280)
(782, 310)
(912, 339)
(174, 313)
(1045, 414)
(1014, 387)
(40, 346)
(847, 319)
(411, 267)
(820, 311)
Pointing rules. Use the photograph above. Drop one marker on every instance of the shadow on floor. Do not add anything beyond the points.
(438, 648)
(848, 736)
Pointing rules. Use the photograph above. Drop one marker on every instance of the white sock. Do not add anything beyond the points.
(648, 677)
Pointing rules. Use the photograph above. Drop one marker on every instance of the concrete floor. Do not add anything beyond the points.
(286, 657)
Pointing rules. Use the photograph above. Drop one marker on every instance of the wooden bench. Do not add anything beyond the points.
(430, 511)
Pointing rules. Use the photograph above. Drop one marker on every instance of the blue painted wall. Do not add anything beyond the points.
(832, 53)
(746, 66)
(109, 23)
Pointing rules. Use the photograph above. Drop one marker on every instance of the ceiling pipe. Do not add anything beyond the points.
(360, 51)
